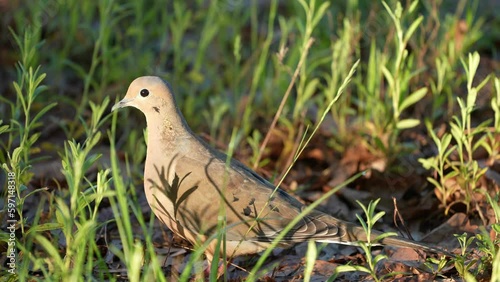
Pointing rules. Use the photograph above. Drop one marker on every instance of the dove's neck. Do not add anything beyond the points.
(167, 127)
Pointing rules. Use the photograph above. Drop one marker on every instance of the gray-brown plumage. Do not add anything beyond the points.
(188, 185)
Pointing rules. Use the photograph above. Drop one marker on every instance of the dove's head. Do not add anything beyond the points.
(152, 96)
(148, 94)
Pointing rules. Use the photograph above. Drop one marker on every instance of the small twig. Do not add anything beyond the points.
(397, 217)
(238, 267)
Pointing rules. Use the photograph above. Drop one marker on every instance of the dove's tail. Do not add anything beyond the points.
(397, 241)
(349, 234)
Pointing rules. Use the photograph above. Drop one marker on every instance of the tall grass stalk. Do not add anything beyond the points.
(304, 91)
(23, 123)
(133, 251)
(309, 208)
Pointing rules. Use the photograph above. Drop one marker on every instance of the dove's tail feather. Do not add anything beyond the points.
(406, 243)
(350, 234)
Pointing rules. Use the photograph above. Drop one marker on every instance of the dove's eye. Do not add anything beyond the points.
(144, 92)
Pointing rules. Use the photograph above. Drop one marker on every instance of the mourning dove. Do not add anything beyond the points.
(188, 183)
